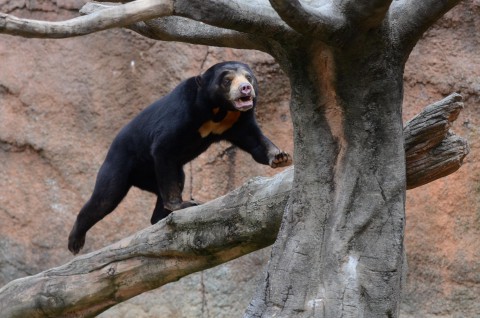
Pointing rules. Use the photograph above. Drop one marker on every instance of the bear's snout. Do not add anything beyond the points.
(245, 89)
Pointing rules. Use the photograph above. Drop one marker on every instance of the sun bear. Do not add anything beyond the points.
(151, 150)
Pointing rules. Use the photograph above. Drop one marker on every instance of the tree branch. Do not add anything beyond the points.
(256, 17)
(432, 150)
(181, 29)
(321, 22)
(117, 16)
(194, 239)
(189, 31)
(220, 23)
(331, 22)
(410, 18)
(366, 13)
(201, 237)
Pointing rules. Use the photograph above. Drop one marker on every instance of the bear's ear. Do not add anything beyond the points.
(199, 80)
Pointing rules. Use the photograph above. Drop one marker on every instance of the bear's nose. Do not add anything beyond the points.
(245, 88)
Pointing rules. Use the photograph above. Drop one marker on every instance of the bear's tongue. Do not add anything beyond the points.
(244, 103)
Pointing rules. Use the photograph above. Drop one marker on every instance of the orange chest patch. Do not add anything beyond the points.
(218, 128)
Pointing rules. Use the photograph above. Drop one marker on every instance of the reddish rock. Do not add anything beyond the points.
(443, 217)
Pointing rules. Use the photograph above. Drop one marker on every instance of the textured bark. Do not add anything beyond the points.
(339, 251)
(413, 18)
(432, 150)
(175, 28)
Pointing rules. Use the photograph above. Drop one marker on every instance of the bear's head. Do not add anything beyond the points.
(230, 86)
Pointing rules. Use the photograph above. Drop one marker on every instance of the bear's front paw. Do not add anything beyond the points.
(281, 159)
(75, 243)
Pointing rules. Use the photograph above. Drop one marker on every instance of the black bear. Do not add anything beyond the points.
(150, 151)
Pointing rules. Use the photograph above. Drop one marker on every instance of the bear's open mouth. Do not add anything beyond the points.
(244, 103)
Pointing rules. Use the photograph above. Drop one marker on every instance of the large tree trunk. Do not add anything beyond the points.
(339, 251)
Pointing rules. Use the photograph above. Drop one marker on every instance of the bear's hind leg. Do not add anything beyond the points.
(110, 188)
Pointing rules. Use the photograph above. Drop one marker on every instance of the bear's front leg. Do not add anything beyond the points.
(170, 180)
(250, 138)
(162, 210)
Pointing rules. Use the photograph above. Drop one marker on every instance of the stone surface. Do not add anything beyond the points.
(443, 217)
(62, 102)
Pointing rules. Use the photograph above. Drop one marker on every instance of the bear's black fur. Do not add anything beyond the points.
(150, 151)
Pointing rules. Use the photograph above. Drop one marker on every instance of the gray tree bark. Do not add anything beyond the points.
(339, 250)
(432, 150)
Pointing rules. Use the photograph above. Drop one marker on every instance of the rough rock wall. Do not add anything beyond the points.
(443, 218)
(62, 102)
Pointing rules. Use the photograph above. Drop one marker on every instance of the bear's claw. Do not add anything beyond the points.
(281, 159)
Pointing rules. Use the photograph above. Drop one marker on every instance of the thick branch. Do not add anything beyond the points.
(189, 31)
(437, 162)
(117, 16)
(410, 18)
(322, 22)
(366, 13)
(220, 23)
(332, 22)
(432, 151)
(198, 238)
(194, 239)
(181, 29)
(254, 17)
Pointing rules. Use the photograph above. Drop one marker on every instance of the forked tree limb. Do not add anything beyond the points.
(185, 30)
(320, 22)
(180, 29)
(407, 19)
(255, 17)
(324, 21)
(198, 238)
(411, 18)
(366, 13)
(432, 150)
(437, 162)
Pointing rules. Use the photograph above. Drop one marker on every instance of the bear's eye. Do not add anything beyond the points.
(248, 77)
(226, 81)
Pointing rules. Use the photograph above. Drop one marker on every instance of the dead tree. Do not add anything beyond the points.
(339, 250)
